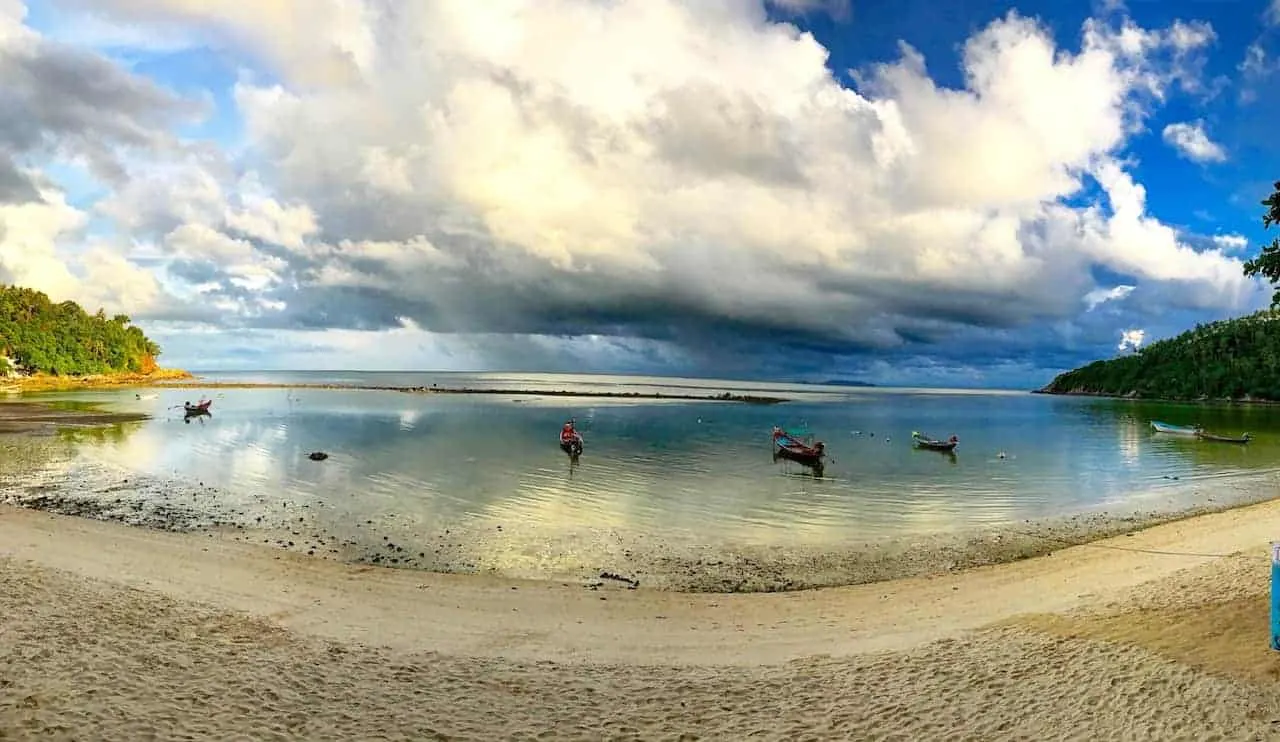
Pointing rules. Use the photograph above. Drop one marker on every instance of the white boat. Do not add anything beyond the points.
(1174, 429)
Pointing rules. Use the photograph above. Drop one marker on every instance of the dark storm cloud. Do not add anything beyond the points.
(508, 296)
(15, 186)
(68, 102)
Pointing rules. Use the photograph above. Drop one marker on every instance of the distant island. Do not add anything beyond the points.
(1235, 359)
(43, 343)
(845, 382)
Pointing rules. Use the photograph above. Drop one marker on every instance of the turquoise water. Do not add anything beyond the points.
(696, 472)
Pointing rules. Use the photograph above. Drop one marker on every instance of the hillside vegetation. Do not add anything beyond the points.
(39, 336)
(1230, 359)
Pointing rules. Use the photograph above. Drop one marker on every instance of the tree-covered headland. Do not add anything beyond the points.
(1231, 359)
(39, 336)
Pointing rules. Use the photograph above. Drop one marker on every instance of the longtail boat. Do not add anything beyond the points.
(933, 444)
(791, 447)
(198, 408)
(571, 440)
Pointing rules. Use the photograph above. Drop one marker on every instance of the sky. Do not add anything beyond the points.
(908, 192)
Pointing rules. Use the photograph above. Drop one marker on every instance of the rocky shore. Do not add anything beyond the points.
(47, 383)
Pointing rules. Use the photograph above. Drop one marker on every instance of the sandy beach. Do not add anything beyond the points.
(114, 632)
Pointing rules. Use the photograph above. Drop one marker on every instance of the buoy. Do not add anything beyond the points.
(317, 455)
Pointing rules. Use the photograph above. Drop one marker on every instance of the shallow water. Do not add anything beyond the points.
(431, 471)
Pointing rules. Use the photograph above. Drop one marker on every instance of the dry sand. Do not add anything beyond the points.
(111, 632)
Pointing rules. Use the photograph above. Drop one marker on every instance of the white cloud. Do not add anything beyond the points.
(1186, 37)
(1131, 339)
(838, 9)
(36, 251)
(1101, 296)
(1191, 141)
(1273, 13)
(1255, 69)
(1230, 242)
(1254, 63)
(527, 166)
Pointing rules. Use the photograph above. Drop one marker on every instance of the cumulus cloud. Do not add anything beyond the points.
(1191, 141)
(1131, 339)
(1230, 242)
(683, 181)
(838, 9)
(1100, 296)
(64, 105)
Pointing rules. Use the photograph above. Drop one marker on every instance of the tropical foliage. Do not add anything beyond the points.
(1231, 359)
(1267, 264)
(38, 335)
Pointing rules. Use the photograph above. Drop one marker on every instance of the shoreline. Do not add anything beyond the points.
(345, 602)
(586, 558)
(1133, 397)
(48, 383)
(118, 633)
(105, 492)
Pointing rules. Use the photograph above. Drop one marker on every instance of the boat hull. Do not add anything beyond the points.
(1222, 438)
(789, 447)
(804, 457)
(941, 446)
(573, 447)
(932, 444)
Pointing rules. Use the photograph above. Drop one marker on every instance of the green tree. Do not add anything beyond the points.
(1267, 264)
(41, 336)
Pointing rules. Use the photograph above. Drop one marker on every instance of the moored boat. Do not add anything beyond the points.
(197, 408)
(791, 447)
(933, 444)
(570, 440)
(1207, 436)
(1162, 427)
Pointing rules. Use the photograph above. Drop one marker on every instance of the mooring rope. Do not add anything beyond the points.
(1142, 550)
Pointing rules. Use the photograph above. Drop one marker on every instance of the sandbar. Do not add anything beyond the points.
(508, 391)
(34, 417)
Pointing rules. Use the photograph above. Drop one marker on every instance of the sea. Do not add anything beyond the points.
(462, 482)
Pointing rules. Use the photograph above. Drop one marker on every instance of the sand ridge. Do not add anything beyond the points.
(123, 633)
(132, 664)
(490, 616)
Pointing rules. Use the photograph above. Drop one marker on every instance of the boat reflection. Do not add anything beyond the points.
(189, 414)
(948, 454)
(814, 468)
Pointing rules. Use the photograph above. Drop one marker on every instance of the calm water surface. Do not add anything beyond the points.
(700, 471)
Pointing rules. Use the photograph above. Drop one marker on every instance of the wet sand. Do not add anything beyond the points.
(35, 417)
(321, 528)
(124, 633)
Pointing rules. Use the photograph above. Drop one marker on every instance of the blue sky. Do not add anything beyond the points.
(798, 189)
